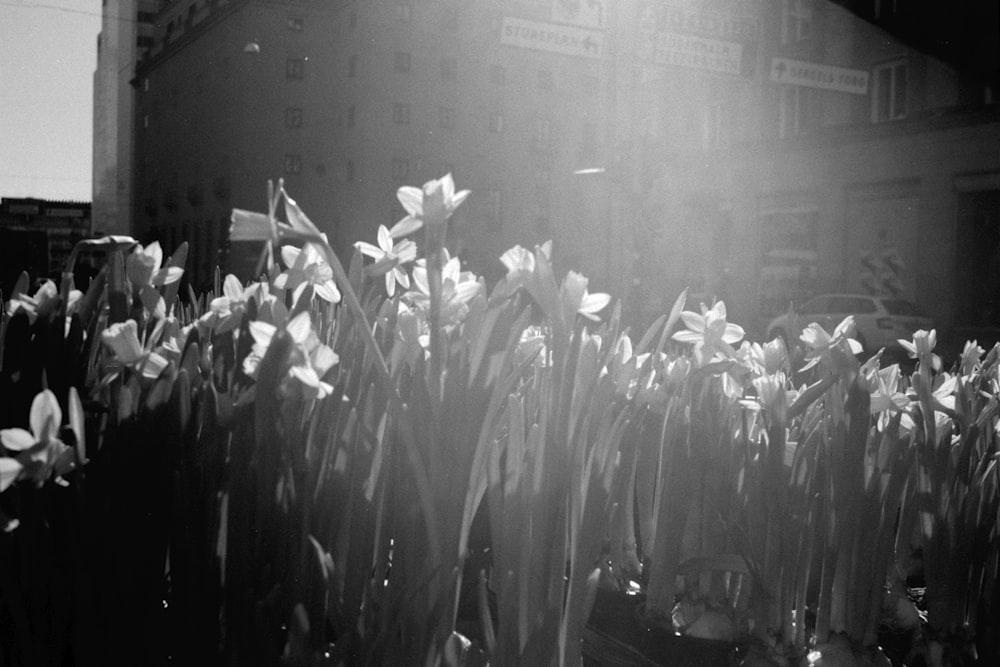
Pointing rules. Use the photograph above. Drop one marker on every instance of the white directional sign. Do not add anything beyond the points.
(711, 55)
(817, 75)
(564, 39)
(583, 13)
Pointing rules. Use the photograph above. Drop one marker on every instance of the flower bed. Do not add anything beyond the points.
(393, 464)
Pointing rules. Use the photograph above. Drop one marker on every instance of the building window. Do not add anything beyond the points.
(545, 80)
(496, 123)
(403, 12)
(494, 205)
(145, 17)
(889, 92)
(144, 41)
(349, 116)
(796, 20)
(450, 19)
(349, 171)
(294, 23)
(449, 67)
(352, 65)
(446, 116)
(401, 114)
(400, 168)
(293, 118)
(401, 61)
(498, 75)
(543, 133)
(793, 112)
(293, 163)
(295, 69)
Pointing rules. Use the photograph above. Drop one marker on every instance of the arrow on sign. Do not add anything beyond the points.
(779, 69)
(590, 45)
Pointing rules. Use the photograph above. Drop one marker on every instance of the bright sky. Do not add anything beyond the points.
(48, 52)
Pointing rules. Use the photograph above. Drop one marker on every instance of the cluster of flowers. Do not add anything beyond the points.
(143, 346)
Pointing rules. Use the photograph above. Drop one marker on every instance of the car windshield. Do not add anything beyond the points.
(901, 307)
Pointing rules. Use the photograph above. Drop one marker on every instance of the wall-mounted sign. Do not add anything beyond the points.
(666, 18)
(563, 39)
(709, 41)
(711, 55)
(583, 13)
(818, 75)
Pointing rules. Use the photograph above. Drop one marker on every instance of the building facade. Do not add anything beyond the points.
(37, 236)
(759, 151)
(844, 159)
(126, 33)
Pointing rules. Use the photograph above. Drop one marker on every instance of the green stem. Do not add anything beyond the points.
(419, 470)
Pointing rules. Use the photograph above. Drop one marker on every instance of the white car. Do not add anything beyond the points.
(880, 320)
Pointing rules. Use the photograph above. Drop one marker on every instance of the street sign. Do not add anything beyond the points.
(582, 13)
(721, 43)
(666, 18)
(563, 39)
(818, 75)
(711, 55)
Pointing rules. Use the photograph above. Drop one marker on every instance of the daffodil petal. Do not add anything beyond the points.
(305, 375)
(168, 275)
(16, 439)
(402, 277)
(289, 255)
(419, 276)
(686, 336)
(323, 359)
(693, 321)
(153, 365)
(300, 327)
(384, 239)
(458, 198)
(232, 288)
(465, 291)
(327, 291)
(594, 303)
(406, 226)
(46, 416)
(123, 339)
(734, 333)
(368, 250)
(9, 471)
(262, 332)
(412, 199)
(405, 251)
